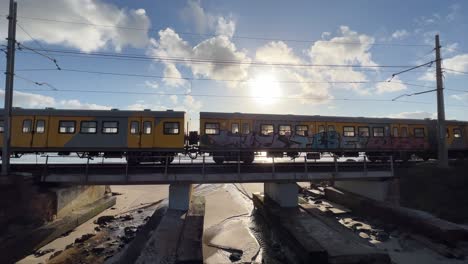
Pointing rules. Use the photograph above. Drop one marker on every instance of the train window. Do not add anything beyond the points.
(419, 132)
(245, 128)
(171, 128)
(88, 127)
(404, 132)
(267, 130)
(331, 128)
(348, 131)
(212, 128)
(363, 131)
(2, 126)
(40, 126)
(110, 127)
(235, 128)
(301, 130)
(321, 129)
(66, 127)
(457, 133)
(147, 125)
(134, 127)
(395, 131)
(447, 133)
(284, 130)
(27, 126)
(378, 131)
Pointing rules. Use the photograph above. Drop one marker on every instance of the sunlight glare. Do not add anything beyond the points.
(265, 88)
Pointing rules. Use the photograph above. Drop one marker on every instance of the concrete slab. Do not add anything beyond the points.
(179, 196)
(315, 241)
(285, 194)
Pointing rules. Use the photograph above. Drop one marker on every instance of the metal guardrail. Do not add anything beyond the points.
(202, 165)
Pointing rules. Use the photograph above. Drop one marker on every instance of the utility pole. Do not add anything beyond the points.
(9, 77)
(441, 128)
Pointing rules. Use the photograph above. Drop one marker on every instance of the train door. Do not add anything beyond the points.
(321, 135)
(21, 131)
(395, 135)
(39, 134)
(235, 131)
(134, 132)
(147, 132)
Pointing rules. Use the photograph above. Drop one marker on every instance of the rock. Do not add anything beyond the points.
(97, 228)
(43, 252)
(83, 238)
(130, 230)
(318, 202)
(69, 246)
(104, 219)
(140, 211)
(235, 256)
(382, 236)
(364, 235)
(55, 254)
(98, 250)
(126, 217)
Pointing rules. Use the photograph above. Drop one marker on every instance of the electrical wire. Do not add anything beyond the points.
(21, 46)
(234, 37)
(37, 83)
(456, 71)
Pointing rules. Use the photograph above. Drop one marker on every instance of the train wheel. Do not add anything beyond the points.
(169, 159)
(248, 159)
(218, 160)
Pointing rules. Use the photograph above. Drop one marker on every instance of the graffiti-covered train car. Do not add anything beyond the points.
(232, 134)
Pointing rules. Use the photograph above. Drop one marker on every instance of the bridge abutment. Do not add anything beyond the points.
(179, 196)
(285, 194)
(380, 190)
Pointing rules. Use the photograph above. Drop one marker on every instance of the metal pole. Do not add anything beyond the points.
(441, 130)
(9, 76)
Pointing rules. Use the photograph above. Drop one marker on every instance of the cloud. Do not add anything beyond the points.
(460, 97)
(31, 100)
(174, 99)
(80, 36)
(138, 106)
(457, 63)
(218, 48)
(152, 84)
(194, 14)
(389, 87)
(414, 115)
(400, 34)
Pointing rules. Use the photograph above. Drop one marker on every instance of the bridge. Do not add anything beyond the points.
(279, 174)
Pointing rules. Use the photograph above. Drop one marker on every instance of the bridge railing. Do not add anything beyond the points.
(204, 166)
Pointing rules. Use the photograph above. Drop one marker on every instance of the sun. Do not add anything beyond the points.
(265, 88)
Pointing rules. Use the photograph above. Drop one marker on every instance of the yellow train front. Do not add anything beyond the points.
(137, 135)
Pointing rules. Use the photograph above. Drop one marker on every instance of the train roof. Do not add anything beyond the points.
(234, 115)
(106, 113)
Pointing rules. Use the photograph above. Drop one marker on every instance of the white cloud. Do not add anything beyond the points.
(414, 115)
(428, 76)
(31, 100)
(172, 75)
(174, 99)
(225, 27)
(400, 34)
(388, 87)
(138, 106)
(191, 104)
(194, 14)
(83, 37)
(76, 104)
(460, 97)
(457, 63)
(152, 84)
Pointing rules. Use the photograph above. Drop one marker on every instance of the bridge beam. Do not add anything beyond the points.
(179, 196)
(285, 194)
(380, 190)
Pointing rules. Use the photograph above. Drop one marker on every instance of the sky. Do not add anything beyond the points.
(278, 57)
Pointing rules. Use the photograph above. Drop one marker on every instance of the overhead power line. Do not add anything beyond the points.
(220, 80)
(37, 83)
(418, 93)
(456, 71)
(234, 37)
(214, 61)
(22, 46)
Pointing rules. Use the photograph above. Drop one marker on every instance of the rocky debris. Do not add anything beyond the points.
(126, 217)
(40, 253)
(130, 230)
(69, 246)
(97, 229)
(235, 256)
(83, 238)
(103, 220)
(116, 193)
(140, 211)
(55, 254)
(98, 250)
(364, 235)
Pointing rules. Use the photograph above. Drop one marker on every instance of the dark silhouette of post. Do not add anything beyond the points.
(9, 78)
(441, 128)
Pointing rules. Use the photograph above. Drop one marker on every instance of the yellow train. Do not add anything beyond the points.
(139, 135)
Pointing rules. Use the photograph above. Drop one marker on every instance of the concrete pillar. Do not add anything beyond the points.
(285, 194)
(179, 196)
(385, 191)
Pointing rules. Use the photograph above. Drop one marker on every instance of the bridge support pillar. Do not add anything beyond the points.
(385, 190)
(179, 196)
(285, 194)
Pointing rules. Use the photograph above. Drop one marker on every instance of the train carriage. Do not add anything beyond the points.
(280, 135)
(138, 135)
